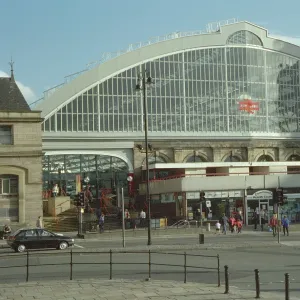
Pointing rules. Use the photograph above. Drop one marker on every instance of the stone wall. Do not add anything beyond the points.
(24, 158)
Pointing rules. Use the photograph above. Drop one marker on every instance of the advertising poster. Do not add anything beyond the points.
(78, 184)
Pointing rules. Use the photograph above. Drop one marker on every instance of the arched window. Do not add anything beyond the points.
(232, 158)
(265, 157)
(156, 159)
(294, 157)
(195, 158)
(244, 37)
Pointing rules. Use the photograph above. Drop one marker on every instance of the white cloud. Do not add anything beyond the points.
(27, 92)
(290, 39)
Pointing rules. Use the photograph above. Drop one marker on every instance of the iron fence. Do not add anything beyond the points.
(182, 262)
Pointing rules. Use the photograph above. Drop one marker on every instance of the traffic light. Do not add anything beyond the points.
(279, 196)
(202, 196)
(80, 199)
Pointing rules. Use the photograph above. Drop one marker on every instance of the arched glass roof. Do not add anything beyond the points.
(244, 37)
(225, 89)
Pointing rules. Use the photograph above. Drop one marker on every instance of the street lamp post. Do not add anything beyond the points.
(141, 86)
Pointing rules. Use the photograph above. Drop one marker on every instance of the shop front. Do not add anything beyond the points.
(291, 207)
(217, 203)
(259, 202)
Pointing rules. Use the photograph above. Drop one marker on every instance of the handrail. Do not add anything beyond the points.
(183, 175)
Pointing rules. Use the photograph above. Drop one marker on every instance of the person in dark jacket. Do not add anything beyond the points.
(285, 225)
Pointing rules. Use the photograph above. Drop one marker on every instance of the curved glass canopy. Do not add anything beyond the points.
(230, 89)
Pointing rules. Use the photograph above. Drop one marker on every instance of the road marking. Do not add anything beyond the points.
(291, 243)
(78, 246)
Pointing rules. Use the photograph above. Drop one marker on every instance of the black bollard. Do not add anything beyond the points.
(287, 286)
(257, 284)
(201, 238)
(226, 280)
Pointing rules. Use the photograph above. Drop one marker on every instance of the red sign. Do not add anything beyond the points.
(249, 106)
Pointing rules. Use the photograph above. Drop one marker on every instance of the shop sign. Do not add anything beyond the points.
(192, 195)
(224, 194)
(261, 195)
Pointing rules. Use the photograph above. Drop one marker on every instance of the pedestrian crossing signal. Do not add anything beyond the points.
(202, 196)
(80, 199)
(280, 198)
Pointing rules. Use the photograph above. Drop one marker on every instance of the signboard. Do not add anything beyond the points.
(192, 195)
(227, 194)
(248, 106)
(208, 203)
(261, 195)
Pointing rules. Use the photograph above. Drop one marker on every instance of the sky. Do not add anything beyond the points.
(49, 40)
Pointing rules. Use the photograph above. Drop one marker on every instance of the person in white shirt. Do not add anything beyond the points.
(143, 218)
(55, 190)
(218, 227)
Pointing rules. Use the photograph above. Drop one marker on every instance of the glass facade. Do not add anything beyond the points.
(204, 90)
(103, 172)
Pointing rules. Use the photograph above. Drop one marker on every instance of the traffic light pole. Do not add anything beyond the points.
(278, 225)
(201, 215)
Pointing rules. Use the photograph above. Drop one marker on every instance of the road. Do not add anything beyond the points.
(272, 261)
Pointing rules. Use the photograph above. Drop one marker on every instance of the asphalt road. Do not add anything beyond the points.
(272, 261)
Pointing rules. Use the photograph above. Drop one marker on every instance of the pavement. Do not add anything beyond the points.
(93, 289)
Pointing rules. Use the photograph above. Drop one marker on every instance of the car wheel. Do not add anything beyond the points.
(63, 246)
(21, 248)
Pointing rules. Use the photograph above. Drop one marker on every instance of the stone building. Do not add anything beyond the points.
(20, 157)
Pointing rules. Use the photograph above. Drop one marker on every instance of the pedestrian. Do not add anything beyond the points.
(218, 227)
(224, 223)
(55, 190)
(39, 222)
(285, 225)
(232, 224)
(143, 218)
(101, 223)
(262, 219)
(255, 219)
(273, 224)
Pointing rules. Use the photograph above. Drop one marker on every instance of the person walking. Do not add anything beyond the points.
(143, 218)
(224, 223)
(39, 222)
(101, 223)
(273, 224)
(285, 225)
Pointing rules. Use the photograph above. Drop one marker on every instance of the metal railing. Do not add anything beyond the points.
(183, 175)
(148, 262)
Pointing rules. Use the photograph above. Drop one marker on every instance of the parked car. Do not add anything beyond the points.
(37, 238)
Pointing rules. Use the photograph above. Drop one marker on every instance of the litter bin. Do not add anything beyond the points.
(207, 226)
(201, 238)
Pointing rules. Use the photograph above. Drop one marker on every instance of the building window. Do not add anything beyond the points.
(8, 185)
(195, 158)
(294, 157)
(265, 158)
(5, 135)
